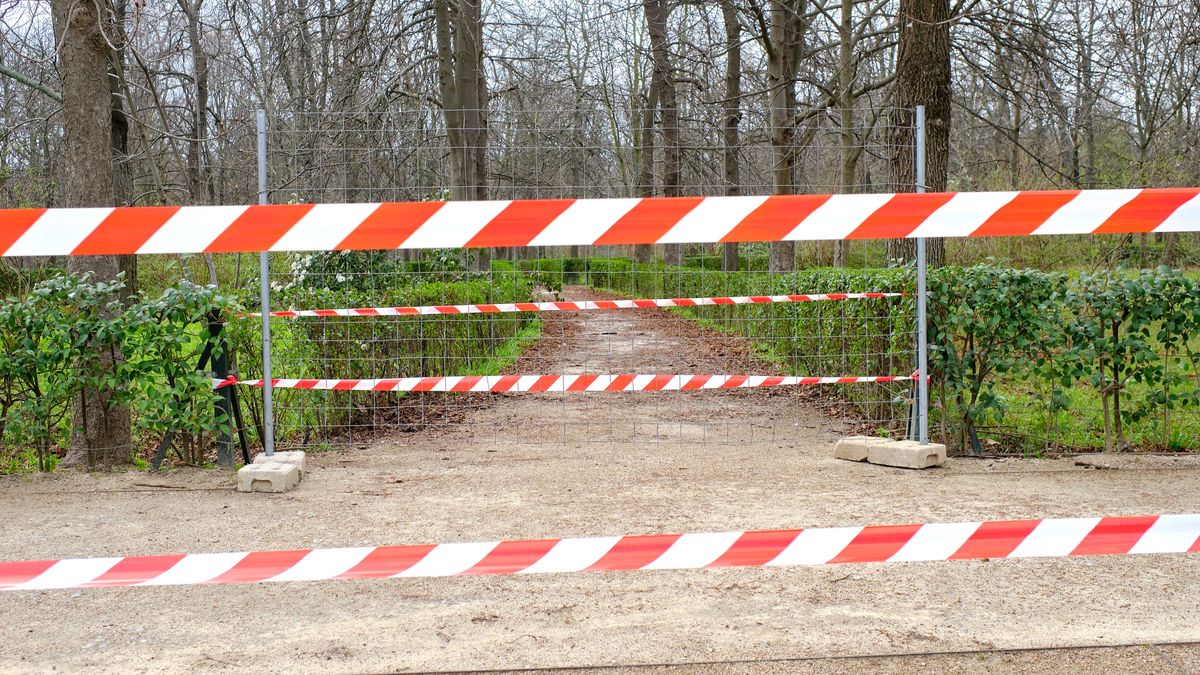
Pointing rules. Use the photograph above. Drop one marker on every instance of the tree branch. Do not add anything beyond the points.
(28, 82)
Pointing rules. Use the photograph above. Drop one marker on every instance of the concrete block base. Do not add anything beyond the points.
(855, 448)
(904, 454)
(268, 477)
(294, 457)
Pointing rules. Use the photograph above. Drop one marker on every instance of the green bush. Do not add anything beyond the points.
(985, 322)
(746, 263)
(1001, 337)
(52, 342)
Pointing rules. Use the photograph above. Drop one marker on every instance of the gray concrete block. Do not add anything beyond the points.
(908, 454)
(856, 448)
(268, 477)
(904, 454)
(293, 457)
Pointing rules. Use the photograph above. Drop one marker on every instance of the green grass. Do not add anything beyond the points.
(508, 353)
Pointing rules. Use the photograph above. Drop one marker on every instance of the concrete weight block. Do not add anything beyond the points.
(268, 477)
(886, 452)
(293, 457)
(856, 448)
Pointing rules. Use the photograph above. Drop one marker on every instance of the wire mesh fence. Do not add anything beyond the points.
(331, 158)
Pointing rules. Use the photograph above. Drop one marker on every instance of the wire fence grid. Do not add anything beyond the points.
(332, 158)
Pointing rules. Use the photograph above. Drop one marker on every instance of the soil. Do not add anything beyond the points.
(608, 464)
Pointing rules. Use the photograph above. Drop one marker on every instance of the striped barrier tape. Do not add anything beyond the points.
(499, 384)
(558, 222)
(1052, 537)
(575, 305)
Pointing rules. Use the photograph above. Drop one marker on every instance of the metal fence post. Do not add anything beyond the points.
(264, 281)
(922, 297)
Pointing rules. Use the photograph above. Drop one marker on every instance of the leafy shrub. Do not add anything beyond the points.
(986, 321)
(748, 263)
(1125, 336)
(53, 339)
(1123, 331)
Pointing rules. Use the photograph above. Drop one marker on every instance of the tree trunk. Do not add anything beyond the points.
(785, 42)
(642, 253)
(922, 78)
(732, 116)
(847, 136)
(658, 15)
(459, 33)
(101, 434)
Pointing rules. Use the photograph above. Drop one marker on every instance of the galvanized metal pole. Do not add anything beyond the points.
(922, 292)
(264, 282)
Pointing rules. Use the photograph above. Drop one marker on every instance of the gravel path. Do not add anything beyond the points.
(773, 469)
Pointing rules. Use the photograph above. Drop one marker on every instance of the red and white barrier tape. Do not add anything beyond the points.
(558, 222)
(1054, 537)
(576, 305)
(552, 383)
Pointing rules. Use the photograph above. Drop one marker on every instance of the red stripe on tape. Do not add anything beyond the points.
(756, 548)
(620, 382)
(519, 223)
(134, 570)
(17, 573)
(258, 228)
(14, 223)
(386, 561)
(389, 225)
(125, 229)
(659, 382)
(466, 383)
(876, 544)
(582, 382)
(386, 385)
(901, 215)
(427, 383)
(544, 382)
(631, 553)
(1114, 535)
(506, 383)
(1147, 210)
(1024, 214)
(512, 556)
(260, 565)
(649, 220)
(995, 539)
(775, 218)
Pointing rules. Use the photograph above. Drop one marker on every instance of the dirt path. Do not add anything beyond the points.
(462, 484)
(640, 342)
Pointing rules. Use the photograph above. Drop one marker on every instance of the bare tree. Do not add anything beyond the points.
(782, 36)
(658, 17)
(731, 116)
